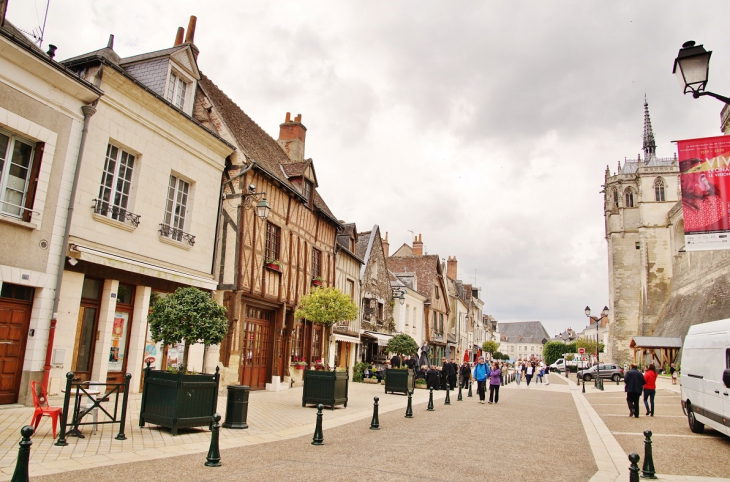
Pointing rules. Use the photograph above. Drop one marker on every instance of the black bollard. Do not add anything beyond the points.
(634, 467)
(447, 401)
(409, 408)
(214, 454)
(21, 466)
(430, 400)
(617, 380)
(459, 398)
(469, 394)
(647, 470)
(375, 423)
(318, 438)
(584, 385)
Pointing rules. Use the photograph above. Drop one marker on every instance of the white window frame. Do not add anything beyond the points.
(176, 79)
(179, 192)
(120, 199)
(6, 158)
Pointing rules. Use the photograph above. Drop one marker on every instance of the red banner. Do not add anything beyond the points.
(704, 166)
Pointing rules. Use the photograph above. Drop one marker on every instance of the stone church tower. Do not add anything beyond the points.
(638, 198)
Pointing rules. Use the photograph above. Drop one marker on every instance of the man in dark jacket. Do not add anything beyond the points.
(465, 375)
(634, 381)
(452, 377)
(433, 378)
(395, 362)
(446, 374)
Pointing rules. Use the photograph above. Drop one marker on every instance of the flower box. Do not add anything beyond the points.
(398, 380)
(317, 282)
(273, 267)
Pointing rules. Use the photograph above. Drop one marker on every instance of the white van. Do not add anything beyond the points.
(705, 381)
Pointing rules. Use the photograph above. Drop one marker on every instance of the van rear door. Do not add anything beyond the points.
(725, 393)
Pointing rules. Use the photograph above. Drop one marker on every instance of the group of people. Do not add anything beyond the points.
(636, 383)
(532, 370)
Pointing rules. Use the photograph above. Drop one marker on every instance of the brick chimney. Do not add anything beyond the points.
(451, 267)
(386, 245)
(291, 137)
(418, 246)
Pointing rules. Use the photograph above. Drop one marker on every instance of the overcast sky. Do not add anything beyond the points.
(485, 126)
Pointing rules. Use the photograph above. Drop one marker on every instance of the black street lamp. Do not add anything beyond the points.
(604, 314)
(692, 68)
(262, 207)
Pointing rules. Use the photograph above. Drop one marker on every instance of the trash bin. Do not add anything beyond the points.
(237, 406)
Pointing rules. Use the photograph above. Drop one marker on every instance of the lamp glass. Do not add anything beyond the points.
(605, 311)
(262, 209)
(692, 72)
(588, 311)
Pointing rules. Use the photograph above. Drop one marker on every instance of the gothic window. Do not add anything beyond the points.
(629, 197)
(659, 189)
(615, 197)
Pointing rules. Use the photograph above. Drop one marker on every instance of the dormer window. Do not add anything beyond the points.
(176, 89)
(307, 189)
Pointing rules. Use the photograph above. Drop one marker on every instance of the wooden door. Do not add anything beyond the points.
(14, 321)
(256, 359)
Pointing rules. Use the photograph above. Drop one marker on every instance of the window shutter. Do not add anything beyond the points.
(33, 182)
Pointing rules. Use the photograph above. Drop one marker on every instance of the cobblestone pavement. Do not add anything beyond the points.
(676, 450)
(271, 416)
(513, 440)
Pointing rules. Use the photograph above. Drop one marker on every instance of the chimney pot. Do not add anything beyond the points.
(110, 43)
(288, 117)
(51, 50)
(190, 36)
(298, 118)
(179, 36)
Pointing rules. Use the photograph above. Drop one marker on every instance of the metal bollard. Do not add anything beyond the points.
(430, 400)
(125, 401)
(21, 466)
(375, 423)
(409, 408)
(647, 470)
(318, 438)
(447, 401)
(64, 413)
(634, 467)
(469, 394)
(459, 398)
(584, 385)
(214, 454)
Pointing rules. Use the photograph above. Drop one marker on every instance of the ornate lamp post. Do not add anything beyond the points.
(692, 68)
(604, 314)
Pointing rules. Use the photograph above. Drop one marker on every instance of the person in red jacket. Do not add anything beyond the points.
(650, 389)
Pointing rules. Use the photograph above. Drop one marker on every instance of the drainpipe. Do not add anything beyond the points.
(88, 111)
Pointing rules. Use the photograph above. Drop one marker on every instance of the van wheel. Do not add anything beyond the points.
(616, 377)
(694, 425)
(586, 378)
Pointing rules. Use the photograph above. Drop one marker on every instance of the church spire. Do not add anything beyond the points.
(649, 143)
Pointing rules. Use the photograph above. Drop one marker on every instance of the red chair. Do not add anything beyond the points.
(40, 402)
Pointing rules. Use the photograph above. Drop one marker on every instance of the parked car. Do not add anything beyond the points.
(577, 361)
(608, 370)
(705, 381)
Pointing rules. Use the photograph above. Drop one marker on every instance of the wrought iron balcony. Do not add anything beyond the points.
(103, 208)
(176, 234)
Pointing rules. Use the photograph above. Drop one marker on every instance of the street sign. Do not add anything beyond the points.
(582, 351)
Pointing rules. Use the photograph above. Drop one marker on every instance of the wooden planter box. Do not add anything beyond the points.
(316, 282)
(273, 267)
(399, 381)
(327, 388)
(175, 400)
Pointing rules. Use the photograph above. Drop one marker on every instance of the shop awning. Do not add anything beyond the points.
(348, 339)
(382, 338)
(103, 258)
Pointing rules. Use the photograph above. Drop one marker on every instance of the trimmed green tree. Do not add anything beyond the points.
(402, 344)
(498, 355)
(189, 316)
(552, 351)
(325, 307)
(490, 346)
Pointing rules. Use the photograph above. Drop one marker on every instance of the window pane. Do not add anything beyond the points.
(91, 289)
(86, 339)
(171, 87)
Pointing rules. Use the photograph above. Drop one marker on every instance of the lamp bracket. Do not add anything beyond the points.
(249, 199)
(697, 95)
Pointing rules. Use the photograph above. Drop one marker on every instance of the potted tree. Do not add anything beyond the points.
(400, 380)
(182, 399)
(326, 306)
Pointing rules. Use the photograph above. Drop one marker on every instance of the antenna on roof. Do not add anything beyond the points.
(38, 36)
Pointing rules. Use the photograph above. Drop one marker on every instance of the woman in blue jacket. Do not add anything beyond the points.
(481, 373)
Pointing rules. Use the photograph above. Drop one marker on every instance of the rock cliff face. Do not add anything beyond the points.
(700, 292)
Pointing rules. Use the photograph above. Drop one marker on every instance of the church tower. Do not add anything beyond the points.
(638, 198)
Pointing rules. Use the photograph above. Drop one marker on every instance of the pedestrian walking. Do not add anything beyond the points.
(634, 381)
(465, 375)
(518, 373)
(432, 377)
(547, 376)
(650, 389)
(452, 375)
(540, 374)
(673, 372)
(529, 372)
(481, 373)
(495, 377)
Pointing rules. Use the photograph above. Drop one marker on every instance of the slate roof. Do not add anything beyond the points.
(255, 143)
(153, 55)
(522, 331)
(426, 268)
(361, 248)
